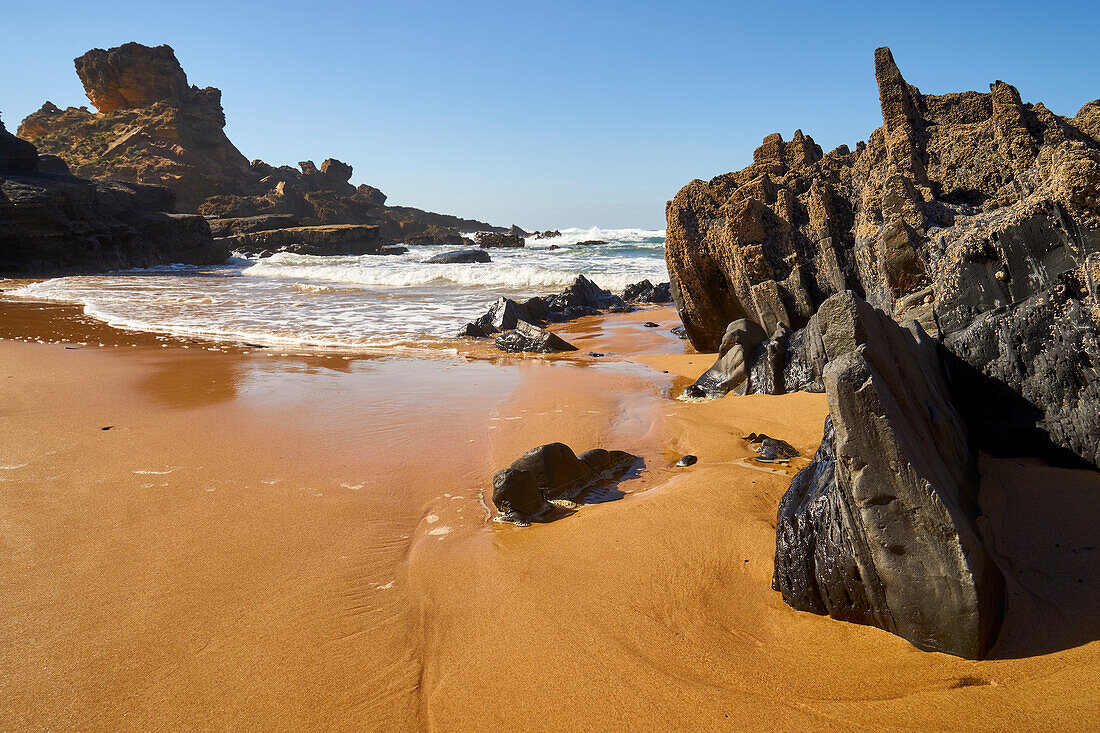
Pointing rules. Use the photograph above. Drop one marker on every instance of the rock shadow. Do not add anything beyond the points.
(1042, 524)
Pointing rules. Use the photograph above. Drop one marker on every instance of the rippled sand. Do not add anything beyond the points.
(240, 539)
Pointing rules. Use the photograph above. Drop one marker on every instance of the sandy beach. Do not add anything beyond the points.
(196, 536)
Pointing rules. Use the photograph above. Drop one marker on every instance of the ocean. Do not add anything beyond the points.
(353, 302)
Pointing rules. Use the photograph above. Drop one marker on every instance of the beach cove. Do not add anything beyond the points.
(204, 535)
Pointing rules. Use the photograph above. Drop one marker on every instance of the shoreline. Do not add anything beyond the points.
(206, 537)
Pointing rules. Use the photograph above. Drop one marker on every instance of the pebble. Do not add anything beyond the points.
(651, 324)
(686, 461)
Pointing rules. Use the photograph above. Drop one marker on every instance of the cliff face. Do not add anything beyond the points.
(153, 127)
(55, 223)
(972, 217)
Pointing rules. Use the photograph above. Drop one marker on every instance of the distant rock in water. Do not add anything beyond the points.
(57, 224)
(154, 127)
(496, 239)
(528, 338)
(590, 242)
(888, 535)
(337, 239)
(459, 257)
(438, 237)
(546, 234)
(552, 474)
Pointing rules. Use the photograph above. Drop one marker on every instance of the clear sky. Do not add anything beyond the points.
(553, 114)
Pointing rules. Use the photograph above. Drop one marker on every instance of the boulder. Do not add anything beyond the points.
(882, 527)
(503, 315)
(590, 242)
(526, 337)
(438, 237)
(459, 257)
(582, 297)
(517, 497)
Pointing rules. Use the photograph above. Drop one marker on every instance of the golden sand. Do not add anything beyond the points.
(195, 539)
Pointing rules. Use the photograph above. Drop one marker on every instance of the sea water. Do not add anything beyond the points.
(369, 301)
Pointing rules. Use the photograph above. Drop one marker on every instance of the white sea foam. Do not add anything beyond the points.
(367, 301)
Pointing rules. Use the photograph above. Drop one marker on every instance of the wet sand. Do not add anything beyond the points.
(197, 539)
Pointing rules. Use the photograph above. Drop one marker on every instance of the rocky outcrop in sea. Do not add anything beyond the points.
(975, 219)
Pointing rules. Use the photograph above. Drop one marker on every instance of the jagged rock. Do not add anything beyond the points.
(132, 76)
(249, 224)
(503, 315)
(529, 338)
(546, 234)
(647, 292)
(496, 239)
(679, 332)
(974, 213)
(771, 450)
(590, 242)
(731, 370)
(337, 239)
(517, 232)
(882, 527)
(584, 294)
(459, 257)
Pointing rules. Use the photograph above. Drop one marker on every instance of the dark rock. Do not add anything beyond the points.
(517, 232)
(546, 234)
(496, 239)
(596, 354)
(517, 497)
(688, 460)
(459, 257)
(607, 464)
(17, 157)
(620, 309)
(651, 324)
(583, 293)
(731, 371)
(503, 315)
(771, 450)
(888, 535)
(647, 292)
(679, 331)
(392, 250)
(529, 338)
(590, 242)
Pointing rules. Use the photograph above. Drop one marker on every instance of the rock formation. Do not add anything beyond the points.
(55, 223)
(974, 215)
(526, 337)
(462, 256)
(881, 528)
(153, 127)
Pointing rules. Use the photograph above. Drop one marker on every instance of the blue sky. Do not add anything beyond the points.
(553, 114)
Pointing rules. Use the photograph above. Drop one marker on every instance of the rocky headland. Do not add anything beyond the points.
(54, 223)
(940, 284)
(153, 127)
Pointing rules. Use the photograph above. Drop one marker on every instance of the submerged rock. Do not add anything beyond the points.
(882, 527)
(552, 474)
(528, 338)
